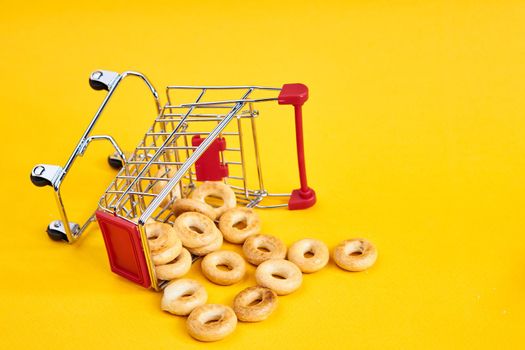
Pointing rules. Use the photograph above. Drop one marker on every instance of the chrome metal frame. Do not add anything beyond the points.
(149, 154)
(165, 148)
(54, 175)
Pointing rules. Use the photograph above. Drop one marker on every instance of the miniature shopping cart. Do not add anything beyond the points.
(202, 133)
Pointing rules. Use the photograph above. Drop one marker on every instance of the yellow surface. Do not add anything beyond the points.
(414, 138)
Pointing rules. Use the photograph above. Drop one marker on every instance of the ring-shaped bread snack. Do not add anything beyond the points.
(261, 247)
(175, 268)
(310, 255)
(235, 216)
(211, 322)
(355, 254)
(216, 189)
(281, 276)
(183, 205)
(164, 256)
(195, 230)
(207, 249)
(236, 267)
(182, 296)
(160, 235)
(254, 304)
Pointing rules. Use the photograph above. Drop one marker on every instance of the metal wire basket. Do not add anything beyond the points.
(210, 135)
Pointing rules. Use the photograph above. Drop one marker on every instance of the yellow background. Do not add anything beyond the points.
(414, 139)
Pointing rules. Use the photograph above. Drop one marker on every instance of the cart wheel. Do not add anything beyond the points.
(115, 162)
(102, 79)
(56, 235)
(44, 174)
(40, 181)
(97, 85)
(57, 232)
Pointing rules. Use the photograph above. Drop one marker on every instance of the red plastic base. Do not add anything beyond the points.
(124, 248)
(301, 200)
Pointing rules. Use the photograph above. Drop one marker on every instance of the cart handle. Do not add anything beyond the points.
(297, 95)
(53, 175)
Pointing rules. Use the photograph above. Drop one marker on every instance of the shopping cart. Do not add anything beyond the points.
(211, 136)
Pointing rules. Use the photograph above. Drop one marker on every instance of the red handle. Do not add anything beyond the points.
(296, 95)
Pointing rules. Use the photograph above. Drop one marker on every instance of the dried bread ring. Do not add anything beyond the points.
(254, 304)
(281, 276)
(216, 189)
(176, 268)
(235, 216)
(182, 296)
(261, 247)
(310, 255)
(211, 322)
(207, 249)
(183, 205)
(355, 254)
(160, 235)
(164, 256)
(196, 230)
(233, 261)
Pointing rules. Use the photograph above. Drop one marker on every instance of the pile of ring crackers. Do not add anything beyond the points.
(200, 228)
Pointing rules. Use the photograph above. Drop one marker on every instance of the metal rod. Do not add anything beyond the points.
(225, 87)
(242, 162)
(226, 101)
(257, 154)
(191, 133)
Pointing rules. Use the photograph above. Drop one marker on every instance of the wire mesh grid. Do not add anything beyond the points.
(166, 151)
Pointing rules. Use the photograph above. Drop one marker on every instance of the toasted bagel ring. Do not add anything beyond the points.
(234, 216)
(210, 267)
(216, 189)
(355, 254)
(160, 235)
(247, 311)
(182, 205)
(275, 248)
(176, 268)
(308, 264)
(173, 238)
(182, 296)
(191, 238)
(207, 249)
(164, 256)
(211, 322)
(292, 276)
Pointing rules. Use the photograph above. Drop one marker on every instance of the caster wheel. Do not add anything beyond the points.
(56, 235)
(115, 162)
(57, 232)
(40, 181)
